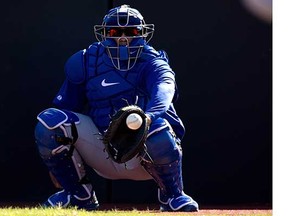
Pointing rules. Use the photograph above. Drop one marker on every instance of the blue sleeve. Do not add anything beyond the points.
(71, 96)
(72, 92)
(161, 86)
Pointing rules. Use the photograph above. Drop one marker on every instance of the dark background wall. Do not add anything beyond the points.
(222, 56)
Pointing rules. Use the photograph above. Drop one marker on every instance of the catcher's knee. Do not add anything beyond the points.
(45, 139)
(163, 147)
(50, 132)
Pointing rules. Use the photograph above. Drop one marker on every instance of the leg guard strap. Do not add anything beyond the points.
(168, 177)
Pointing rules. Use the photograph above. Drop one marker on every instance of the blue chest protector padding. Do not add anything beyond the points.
(108, 89)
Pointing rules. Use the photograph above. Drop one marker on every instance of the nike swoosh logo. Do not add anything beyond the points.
(105, 84)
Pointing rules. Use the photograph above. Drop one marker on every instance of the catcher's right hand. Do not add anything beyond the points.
(122, 143)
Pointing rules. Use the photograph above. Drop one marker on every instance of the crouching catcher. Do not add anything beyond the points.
(86, 126)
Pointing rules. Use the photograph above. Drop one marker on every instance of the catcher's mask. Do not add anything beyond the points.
(123, 33)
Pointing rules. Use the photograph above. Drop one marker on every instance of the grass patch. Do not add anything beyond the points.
(38, 211)
(12, 211)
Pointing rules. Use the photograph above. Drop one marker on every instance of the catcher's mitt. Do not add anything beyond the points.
(122, 143)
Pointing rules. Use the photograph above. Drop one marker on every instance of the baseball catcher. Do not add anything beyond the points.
(115, 113)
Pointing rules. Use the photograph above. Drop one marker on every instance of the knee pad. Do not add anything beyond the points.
(46, 140)
(163, 147)
(50, 131)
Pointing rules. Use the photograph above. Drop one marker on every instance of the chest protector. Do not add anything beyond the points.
(108, 89)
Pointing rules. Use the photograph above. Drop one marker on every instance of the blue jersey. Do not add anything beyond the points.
(93, 86)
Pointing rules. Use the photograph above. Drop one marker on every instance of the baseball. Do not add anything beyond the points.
(134, 121)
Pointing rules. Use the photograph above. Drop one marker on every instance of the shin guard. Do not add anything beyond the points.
(67, 168)
(164, 164)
